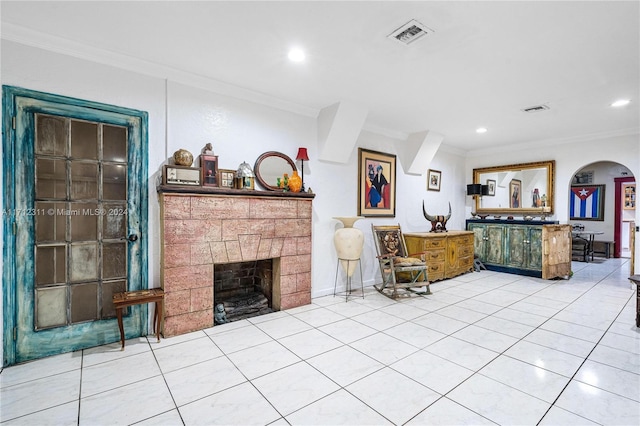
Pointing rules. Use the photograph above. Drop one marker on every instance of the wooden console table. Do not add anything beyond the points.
(130, 298)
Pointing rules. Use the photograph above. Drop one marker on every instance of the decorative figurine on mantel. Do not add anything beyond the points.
(208, 149)
(439, 222)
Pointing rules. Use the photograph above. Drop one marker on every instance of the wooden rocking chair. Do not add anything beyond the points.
(399, 270)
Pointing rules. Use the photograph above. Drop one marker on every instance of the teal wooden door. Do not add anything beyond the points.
(75, 222)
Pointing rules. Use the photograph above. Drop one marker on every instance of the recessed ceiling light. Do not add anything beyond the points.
(481, 130)
(296, 54)
(620, 102)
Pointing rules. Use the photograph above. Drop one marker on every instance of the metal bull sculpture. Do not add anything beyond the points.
(439, 222)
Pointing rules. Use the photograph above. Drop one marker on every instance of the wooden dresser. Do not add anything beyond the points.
(448, 254)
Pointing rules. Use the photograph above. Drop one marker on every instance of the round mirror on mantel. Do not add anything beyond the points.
(270, 166)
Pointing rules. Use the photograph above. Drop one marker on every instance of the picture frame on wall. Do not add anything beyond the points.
(491, 187)
(586, 202)
(433, 180)
(226, 178)
(209, 167)
(376, 184)
(515, 194)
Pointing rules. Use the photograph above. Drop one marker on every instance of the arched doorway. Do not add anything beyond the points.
(602, 206)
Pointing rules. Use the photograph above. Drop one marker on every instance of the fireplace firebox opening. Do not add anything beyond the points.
(245, 289)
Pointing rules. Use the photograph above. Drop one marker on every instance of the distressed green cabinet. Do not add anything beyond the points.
(536, 249)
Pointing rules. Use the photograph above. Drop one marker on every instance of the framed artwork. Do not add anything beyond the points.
(629, 196)
(376, 184)
(491, 187)
(226, 177)
(433, 180)
(586, 202)
(515, 194)
(209, 167)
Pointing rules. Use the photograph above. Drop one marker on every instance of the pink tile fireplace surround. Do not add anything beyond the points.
(198, 230)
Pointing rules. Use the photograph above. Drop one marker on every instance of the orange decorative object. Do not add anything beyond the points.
(295, 182)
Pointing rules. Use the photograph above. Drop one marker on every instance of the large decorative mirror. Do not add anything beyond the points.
(516, 189)
(270, 166)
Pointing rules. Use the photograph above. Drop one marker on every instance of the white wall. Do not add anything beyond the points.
(185, 116)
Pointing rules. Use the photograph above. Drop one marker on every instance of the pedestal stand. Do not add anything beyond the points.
(348, 242)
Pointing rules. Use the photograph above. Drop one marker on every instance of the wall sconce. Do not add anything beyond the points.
(302, 156)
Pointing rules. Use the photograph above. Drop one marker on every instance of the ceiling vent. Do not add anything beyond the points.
(410, 32)
(536, 108)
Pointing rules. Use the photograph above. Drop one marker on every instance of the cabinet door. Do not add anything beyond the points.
(517, 242)
(534, 258)
(479, 241)
(495, 244)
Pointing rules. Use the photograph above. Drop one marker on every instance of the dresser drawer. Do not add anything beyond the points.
(435, 271)
(466, 250)
(434, 256)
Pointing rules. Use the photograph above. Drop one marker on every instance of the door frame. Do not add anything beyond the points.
(10, 97)
(617, 222)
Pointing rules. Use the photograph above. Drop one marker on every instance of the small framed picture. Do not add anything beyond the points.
(225, 178)
(491, 187)
(515, 192)
(433, 180)
(209, 167)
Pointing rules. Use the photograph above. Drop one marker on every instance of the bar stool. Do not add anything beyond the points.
(348, 289)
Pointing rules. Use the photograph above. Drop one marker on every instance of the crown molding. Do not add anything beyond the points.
(33, 38)
(553, 142)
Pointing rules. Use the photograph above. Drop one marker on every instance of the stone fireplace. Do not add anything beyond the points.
(201, 229)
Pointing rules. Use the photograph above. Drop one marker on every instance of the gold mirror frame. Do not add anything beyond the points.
(517, 171)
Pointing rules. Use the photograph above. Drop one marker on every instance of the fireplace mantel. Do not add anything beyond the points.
(212, 190)
(201, 227)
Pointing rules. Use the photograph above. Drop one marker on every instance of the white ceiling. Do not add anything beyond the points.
(484, 63)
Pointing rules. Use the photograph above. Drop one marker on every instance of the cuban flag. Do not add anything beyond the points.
(585, 202)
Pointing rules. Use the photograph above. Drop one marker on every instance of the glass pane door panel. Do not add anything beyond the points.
(108, 289)
(51, 307)
(84, 221)
(114, 144)
(114, 260)
(51, 178)
(51, 135)
(114, 221)
(84, 262)
(84, 140)
(84, 181)
(114, 182)
(51, 223)
(51, 265)
(84, 302)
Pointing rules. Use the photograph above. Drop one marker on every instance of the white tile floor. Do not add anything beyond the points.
(485, 348)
